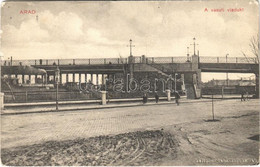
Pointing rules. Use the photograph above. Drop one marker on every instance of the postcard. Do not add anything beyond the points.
(129, 83)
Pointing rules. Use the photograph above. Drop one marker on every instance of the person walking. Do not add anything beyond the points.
(242, 96)
(144, 98)
(177, 97)
(156, 97)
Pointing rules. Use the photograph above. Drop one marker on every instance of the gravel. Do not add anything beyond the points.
(135, 148)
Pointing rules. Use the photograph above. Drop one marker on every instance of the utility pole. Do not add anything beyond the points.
(130, 41)
(194, 45)
(57, 75)
(175, 81)
(227, 72)
(188, 55)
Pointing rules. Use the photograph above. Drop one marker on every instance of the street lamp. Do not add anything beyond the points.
(188, 55)
(57, 74)
(175, 81)
(227, 72)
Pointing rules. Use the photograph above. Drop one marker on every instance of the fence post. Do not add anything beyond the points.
(212, 107)
(222, 91)
(26, 96)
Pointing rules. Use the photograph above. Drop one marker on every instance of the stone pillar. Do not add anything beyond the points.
(1, 101)
(86, 77)
(257, 85)
(79, 77)
(67, 77)
(48, 79)
(91, 78)
(97, 79)
(42, 79)
(73, 77)
(168, 93)
(195, 62)
(103, 97)
(103, 79)
(35, 79)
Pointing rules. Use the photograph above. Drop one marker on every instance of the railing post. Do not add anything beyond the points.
(88, 61)
(73, 61)
(46, 62)
(26, 96)
(152, 59)
(104, 61)
(118, 60)
(236, 59)
(35, 62)
(140, 59)
(172, 59)
(58, 62)
(217, 59)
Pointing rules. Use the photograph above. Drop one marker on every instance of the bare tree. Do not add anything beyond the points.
(254, 46)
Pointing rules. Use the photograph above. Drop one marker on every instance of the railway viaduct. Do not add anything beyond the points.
(191, 68)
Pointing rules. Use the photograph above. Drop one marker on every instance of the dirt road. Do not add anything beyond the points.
(232, 140)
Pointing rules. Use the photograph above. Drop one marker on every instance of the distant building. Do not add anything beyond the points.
(231, 83)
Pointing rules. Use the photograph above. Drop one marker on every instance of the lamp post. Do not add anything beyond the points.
(227, 72)
(188, 55)
(175, 81)
(57, 74)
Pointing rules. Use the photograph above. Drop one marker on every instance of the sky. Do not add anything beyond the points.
(100, 29)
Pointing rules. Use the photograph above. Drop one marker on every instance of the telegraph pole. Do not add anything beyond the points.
(130, 41)
(188, 55)
(194, 45)
(227, 72)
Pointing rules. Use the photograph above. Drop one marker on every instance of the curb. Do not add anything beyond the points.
(103, 107)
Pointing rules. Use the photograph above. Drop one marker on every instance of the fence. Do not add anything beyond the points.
(158, 60)
(23, 97)
(241, 60)
(218, 90)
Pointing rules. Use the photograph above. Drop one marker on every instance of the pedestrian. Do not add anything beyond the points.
(156, 98)
(177, 97)
(247, 96)
(242, 96)
(144, 98)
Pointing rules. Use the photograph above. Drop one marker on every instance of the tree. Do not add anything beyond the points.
(254, 46)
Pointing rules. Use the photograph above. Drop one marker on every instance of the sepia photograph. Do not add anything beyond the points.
(129, 83)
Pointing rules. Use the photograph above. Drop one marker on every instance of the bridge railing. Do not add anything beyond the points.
(160, 60)
(238, 60)
(65, 61)
(157, 60)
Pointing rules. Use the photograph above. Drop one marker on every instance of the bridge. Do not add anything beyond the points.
(190, 67)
